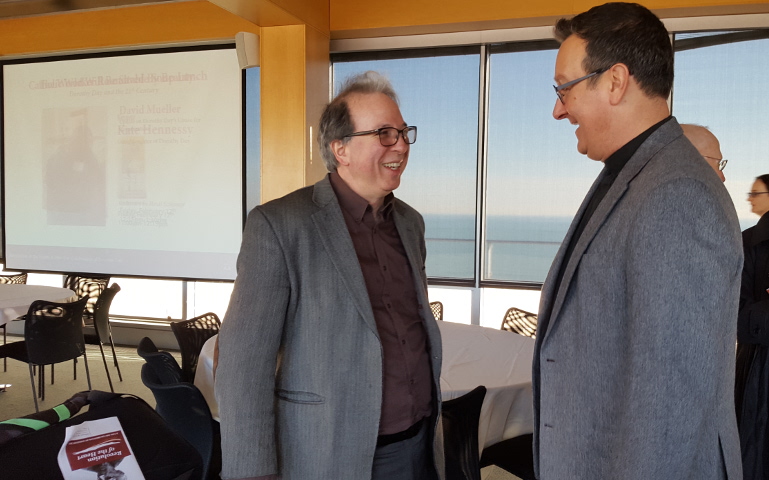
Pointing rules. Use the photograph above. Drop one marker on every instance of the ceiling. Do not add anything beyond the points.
(23, 8)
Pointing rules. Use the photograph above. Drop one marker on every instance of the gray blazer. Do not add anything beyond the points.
(299, 381)
(634, 377)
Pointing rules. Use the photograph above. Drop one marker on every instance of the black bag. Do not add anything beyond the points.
(29, 446)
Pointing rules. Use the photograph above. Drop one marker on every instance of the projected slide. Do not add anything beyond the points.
(128, 164)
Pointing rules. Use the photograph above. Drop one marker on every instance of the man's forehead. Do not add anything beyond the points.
(376, 107)
(571, 53)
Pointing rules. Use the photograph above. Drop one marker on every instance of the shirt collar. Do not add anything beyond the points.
(618, 159)
(353, 203)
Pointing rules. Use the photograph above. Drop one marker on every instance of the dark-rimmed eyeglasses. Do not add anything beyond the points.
(559, 89)
(721, 162)
(388, 136)
(755, 194)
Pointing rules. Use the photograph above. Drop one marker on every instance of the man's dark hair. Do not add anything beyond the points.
(625, 33)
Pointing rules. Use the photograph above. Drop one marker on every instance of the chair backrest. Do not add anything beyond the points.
(90, 287)
(53, 331)
(163, 364)
(185, 410)
(437, 308)
(101, 312)
(520, 322)
(191, 335)
(17, 278)
(460, 435)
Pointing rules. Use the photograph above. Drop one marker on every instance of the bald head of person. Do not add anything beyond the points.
(707, 144)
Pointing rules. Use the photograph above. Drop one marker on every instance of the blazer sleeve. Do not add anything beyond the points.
(683, 267)
(249, 342)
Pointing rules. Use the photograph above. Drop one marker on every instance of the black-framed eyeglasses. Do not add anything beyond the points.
(755, 194)
(560, 88)
(388, 136)
(721, 162)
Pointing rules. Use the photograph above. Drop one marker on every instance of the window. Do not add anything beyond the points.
(526, 173)
(438, 93)
(536, 179)
(717, 85)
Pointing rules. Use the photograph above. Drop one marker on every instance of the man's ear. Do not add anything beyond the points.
(619, 77)
(339, 148)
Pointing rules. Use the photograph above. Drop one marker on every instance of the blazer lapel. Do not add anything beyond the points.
(333, 235)
(664, 135)
(550, 297)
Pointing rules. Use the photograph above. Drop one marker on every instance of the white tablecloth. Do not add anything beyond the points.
(15, 299)
(498, 360)
(472, 356)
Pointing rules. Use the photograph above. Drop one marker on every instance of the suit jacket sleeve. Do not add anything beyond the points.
(248, 349)
(682, 273)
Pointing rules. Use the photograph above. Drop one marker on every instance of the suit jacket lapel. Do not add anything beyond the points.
(333, 235)
(664, 135)
(550, 297)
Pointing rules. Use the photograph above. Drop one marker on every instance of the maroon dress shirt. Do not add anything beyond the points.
(407, 389)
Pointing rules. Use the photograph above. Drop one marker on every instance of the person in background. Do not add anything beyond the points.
(752, 383)
(633, 369)
(707, 144)
(329, 356)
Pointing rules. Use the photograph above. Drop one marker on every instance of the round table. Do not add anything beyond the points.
(15, 299)
(472, 356)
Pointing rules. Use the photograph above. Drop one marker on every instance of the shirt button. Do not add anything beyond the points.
(403, 342)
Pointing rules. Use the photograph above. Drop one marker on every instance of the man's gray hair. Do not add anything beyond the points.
(336, 122)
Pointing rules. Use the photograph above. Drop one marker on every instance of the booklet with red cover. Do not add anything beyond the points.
(98, 450)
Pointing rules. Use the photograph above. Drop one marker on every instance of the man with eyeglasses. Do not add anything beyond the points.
(329, 354)
(707, 144)
(633, 370)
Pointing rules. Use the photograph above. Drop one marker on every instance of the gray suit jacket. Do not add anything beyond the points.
(634, 377)
(299, 381)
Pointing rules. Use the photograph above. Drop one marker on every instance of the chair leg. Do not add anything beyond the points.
(5, 360)
(104, 359)
(87, 373)
(41, 382)
(32, 381)
(114, 357)
(74, 369)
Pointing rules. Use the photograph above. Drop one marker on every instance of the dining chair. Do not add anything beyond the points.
(17, 278)
(185, 410)
(520, 322)
(53, 333)
(437, 309)
(102, 330)
(191, 335)
(164, 364)
(87, 286)
(460, 435)
(513, 455)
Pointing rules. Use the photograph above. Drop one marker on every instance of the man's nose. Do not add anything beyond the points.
(559, 110)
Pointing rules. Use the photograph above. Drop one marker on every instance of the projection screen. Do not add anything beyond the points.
(127, 164)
